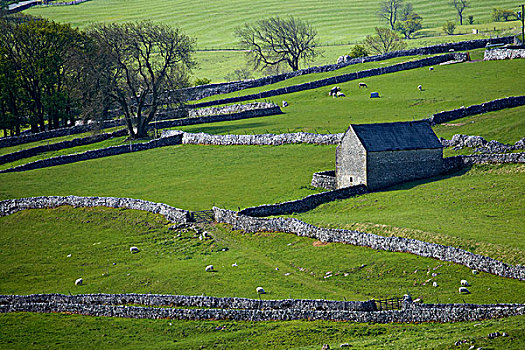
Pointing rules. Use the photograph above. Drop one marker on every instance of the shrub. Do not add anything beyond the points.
(500, 15)
(470, 19)
(201, 81)
(358, 51)
(449, 28)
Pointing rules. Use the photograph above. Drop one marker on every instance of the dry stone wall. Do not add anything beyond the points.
(304, 204)
(495, 105)
(430, 61)
(503, 54)
(97, 153)
(11, 206)
(247, 223)
(260, 139)
(199, 92)
(407, 315)
(325, 179)
(30, 152)
(189, 301)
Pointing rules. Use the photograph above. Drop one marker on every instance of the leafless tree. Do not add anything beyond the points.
(460, 6)
(389, 10)
(275, 40)
(139, 62)
(384, 41)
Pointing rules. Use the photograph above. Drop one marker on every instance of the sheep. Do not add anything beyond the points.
(134, 250)
(464, 283)
(474, 272)
(340, 94)
(434, 284)
(79, 282)
(260, 290)
(363, 85)
(333, 91)
(209, 268)
(420, 88)
(463, 290)
(285, 104)
(430, 68)
(234, 265)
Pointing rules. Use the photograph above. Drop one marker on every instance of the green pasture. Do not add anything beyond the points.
(189, 177)
(444, 88)
(507, 126)
(479, 209)
(213, 25)
(79, 332)
(174, 261)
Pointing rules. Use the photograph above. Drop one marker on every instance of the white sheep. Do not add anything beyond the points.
(209, 268)
(430, 68)
(474, 272)
(434, 284)
(79, 282)
(340, 94)
(134, 250)
(464, 283)
(464, 290)
(260, 290)
(234, 265)
(420, 88)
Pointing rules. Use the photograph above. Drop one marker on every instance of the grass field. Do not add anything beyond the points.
(315, 111)
(214, 24)
(189, 177)
(74, 332)
(481, 210)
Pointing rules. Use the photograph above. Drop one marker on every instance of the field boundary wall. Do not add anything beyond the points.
(97, 153)
(394, 244)
(414, 314)
(11, 206)
(429, 61)
(200, 92)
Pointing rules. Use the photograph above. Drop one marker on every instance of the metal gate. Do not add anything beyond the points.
(203, 216)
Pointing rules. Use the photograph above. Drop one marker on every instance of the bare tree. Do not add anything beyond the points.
(275, 40)
(460, 6)
(384, 41)
(389, 10)
(140, 62)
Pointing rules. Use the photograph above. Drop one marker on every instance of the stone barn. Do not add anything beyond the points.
(384, 154)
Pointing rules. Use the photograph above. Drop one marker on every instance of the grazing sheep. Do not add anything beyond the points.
(79, 282)
(434, 284)
(285, 104)
(134, 250)
(209, 268)
(340, 94)
(464, 283)
(420, 88)
(363, 85)
(430, 68)
(260, 290)
(333, 91)
(474, 272)
(463, 290)
(234, 265)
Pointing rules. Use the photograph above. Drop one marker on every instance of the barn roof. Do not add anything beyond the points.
(396, 136)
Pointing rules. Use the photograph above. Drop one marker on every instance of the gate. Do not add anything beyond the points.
(388, 304)
(203, 216)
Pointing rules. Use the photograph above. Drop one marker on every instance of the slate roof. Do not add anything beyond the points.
(396, 136)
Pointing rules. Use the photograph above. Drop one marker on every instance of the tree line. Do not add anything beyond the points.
(52, 74)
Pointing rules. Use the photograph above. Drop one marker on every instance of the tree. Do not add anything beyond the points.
(460, 6)
(499, 15)
(37, 52)
(275, 40)
(410, 25)
(384, 41)
(449, 28)
(389, 10)
(141, 61)
(358, 51)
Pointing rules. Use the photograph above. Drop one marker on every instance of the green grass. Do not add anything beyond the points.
(507, 126)
(11, 149)
(114, 141)
(98, 240)
(188, 177)
(445, 88)
(214, 24)
(75, 332)
(480, 210)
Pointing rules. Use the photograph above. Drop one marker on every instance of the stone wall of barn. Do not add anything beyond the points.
(388, 168)
(350, 161)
